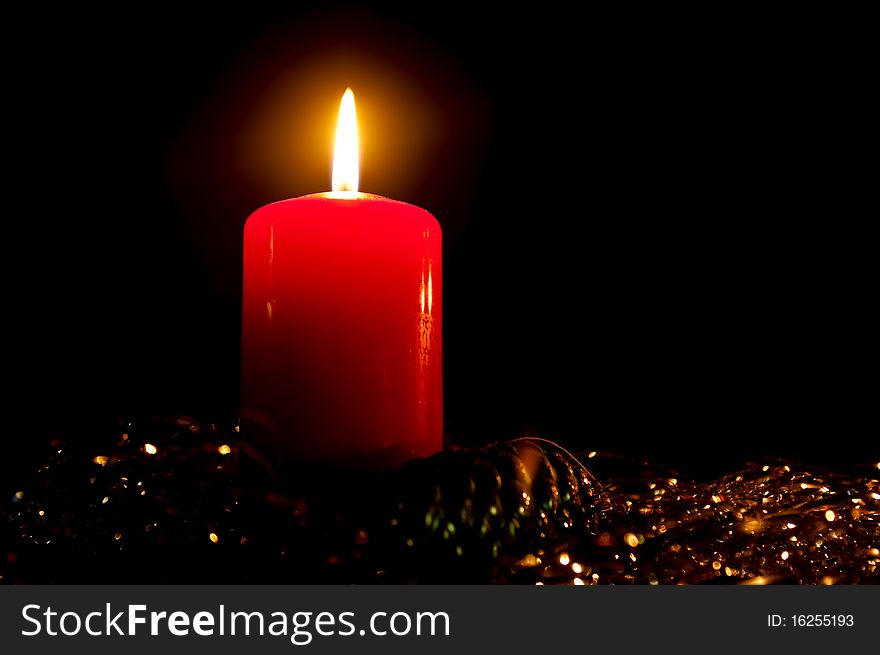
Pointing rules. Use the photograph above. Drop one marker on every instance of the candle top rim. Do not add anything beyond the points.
(332, 202)
(343, 196)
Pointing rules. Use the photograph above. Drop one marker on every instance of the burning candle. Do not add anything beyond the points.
(341, 323)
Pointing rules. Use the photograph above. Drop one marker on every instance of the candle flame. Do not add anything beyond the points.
(345, 157)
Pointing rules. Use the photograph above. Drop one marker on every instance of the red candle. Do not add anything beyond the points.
(341, 324)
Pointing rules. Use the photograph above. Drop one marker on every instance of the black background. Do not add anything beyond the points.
(693, 285)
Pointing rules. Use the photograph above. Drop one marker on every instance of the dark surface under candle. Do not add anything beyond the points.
(190, 508)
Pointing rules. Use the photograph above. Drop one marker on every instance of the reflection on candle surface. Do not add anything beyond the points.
(425, 337)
